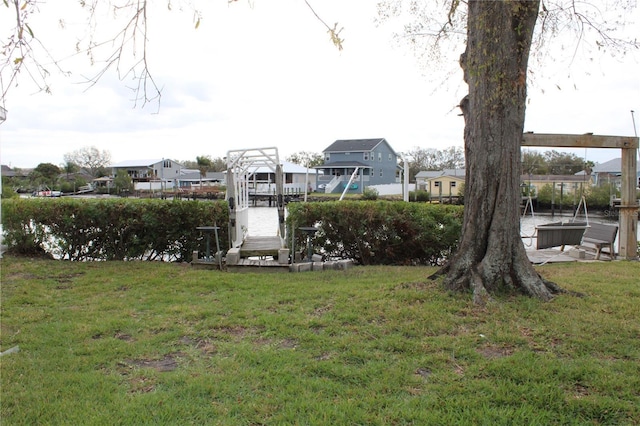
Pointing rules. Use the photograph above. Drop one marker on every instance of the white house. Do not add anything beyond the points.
(296, 177)
(153, 174)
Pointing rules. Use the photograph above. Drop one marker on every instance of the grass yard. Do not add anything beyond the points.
(112, 343)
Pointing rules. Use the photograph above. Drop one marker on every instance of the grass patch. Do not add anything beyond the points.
(156, 343)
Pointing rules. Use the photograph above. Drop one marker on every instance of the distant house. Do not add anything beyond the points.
(610, 172)
(445, 182)
(154, 174)
(296, 178)
(191, 178)
(373, 160)
(8, 172)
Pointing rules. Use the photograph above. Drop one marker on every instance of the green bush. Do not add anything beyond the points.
(597, 197)
(370, 194)
(379, 232)
(109, 229)
(600, 196)
(419, 196)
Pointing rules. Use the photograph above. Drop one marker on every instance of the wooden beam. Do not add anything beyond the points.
(587, 140)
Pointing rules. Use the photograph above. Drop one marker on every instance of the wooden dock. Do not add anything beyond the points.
(259, 253)
(261, 246)
(570, 254)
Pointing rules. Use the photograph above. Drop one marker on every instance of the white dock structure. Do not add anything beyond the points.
(242, 164)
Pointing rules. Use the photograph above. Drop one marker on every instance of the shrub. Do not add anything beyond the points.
(600, 196)
(419, 196)
(370, 194)
(379, 232)
(109, 229)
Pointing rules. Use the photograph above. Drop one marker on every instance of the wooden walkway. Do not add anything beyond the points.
(261, 246)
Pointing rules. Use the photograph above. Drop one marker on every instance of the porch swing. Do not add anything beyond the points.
(564, 233)
(568, 233)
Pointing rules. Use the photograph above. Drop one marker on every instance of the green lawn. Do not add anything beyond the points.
(110, 343)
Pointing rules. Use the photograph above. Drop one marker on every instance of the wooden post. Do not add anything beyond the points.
(627, 239)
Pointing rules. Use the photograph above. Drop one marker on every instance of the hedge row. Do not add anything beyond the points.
(378, 232)
(110, 229)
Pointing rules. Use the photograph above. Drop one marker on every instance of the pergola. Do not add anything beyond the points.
(628, 222)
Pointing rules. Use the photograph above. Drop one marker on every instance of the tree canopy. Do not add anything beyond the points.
(306, 158)
(90, 158)
(553, 163)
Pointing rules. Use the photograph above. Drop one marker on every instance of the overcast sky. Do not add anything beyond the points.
(268, 76)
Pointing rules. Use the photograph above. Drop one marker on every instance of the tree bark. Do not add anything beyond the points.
(491, 256)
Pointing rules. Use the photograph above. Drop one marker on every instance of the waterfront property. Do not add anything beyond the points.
(355, 164)
(153, 174)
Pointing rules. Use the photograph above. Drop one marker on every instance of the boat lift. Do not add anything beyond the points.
(242, 164)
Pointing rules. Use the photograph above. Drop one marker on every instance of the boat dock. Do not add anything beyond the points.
(261, 246)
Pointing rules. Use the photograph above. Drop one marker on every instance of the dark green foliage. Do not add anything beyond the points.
(110, 229)
(379, 232)
(123, 182)
(597, 197)
(419, 196)
(600, 196)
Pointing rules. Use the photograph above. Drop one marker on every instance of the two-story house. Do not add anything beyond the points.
(152, 174)
(369, 161)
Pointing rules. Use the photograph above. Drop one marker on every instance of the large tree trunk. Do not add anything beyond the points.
(491, 255)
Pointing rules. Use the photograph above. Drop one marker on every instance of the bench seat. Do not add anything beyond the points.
(601, 235)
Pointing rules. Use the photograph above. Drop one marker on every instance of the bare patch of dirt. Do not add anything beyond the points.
(580, 391)
(205, 346)
(234, 331)
(124, 337)
(493, 352)
(167, 363)
(318, 312)
(288, 344)
(64, 280)
(423, 372)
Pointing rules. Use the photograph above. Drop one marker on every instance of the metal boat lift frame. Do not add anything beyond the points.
(242, 164)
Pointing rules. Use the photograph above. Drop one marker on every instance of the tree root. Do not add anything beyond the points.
(483, 282)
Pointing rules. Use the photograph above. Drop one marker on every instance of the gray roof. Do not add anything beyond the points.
(611, 166)
(136, 163)
(428, 174)
(350, 145)
(141, 163)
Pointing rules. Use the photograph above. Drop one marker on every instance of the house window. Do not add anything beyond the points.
(365, 156)
(327, 157)
(453, 184)
(380, 157)
(390, 157)
(437, 184)
(166, 164)
(380, 172)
